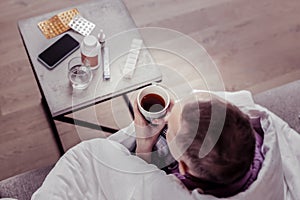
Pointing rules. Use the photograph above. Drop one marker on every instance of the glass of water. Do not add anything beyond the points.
(80, 75)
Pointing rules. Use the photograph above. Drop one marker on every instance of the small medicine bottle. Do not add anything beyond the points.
(90, 51)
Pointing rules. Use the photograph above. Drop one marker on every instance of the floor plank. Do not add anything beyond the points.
(26, 141)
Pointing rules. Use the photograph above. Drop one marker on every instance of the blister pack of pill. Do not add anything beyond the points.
(132, 58)
(81, 25)
(57, 24)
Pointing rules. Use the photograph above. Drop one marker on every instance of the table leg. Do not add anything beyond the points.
(129, 105)
(53, 127)
(84, 124)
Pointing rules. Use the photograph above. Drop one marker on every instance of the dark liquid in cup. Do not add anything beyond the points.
(153, 103)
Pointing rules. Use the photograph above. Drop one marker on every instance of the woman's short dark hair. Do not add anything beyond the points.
(233, 153)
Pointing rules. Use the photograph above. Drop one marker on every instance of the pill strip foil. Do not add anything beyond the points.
(57, 24)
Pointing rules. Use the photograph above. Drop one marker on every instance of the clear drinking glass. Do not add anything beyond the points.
(80, 75)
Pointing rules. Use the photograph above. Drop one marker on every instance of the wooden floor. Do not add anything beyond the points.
(254, 43)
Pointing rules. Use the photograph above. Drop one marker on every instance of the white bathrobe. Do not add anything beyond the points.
(105, 169)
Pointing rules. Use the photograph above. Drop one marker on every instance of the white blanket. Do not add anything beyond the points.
(105, 169)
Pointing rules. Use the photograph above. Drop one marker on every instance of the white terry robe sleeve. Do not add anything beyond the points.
(105, 169)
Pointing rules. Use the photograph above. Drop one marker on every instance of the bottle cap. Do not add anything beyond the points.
(90, 41)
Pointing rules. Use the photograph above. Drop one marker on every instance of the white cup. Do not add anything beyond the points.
(153, 102)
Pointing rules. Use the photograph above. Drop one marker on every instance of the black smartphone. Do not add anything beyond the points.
(58, 51)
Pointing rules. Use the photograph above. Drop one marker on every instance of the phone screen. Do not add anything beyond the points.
(58, 51)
